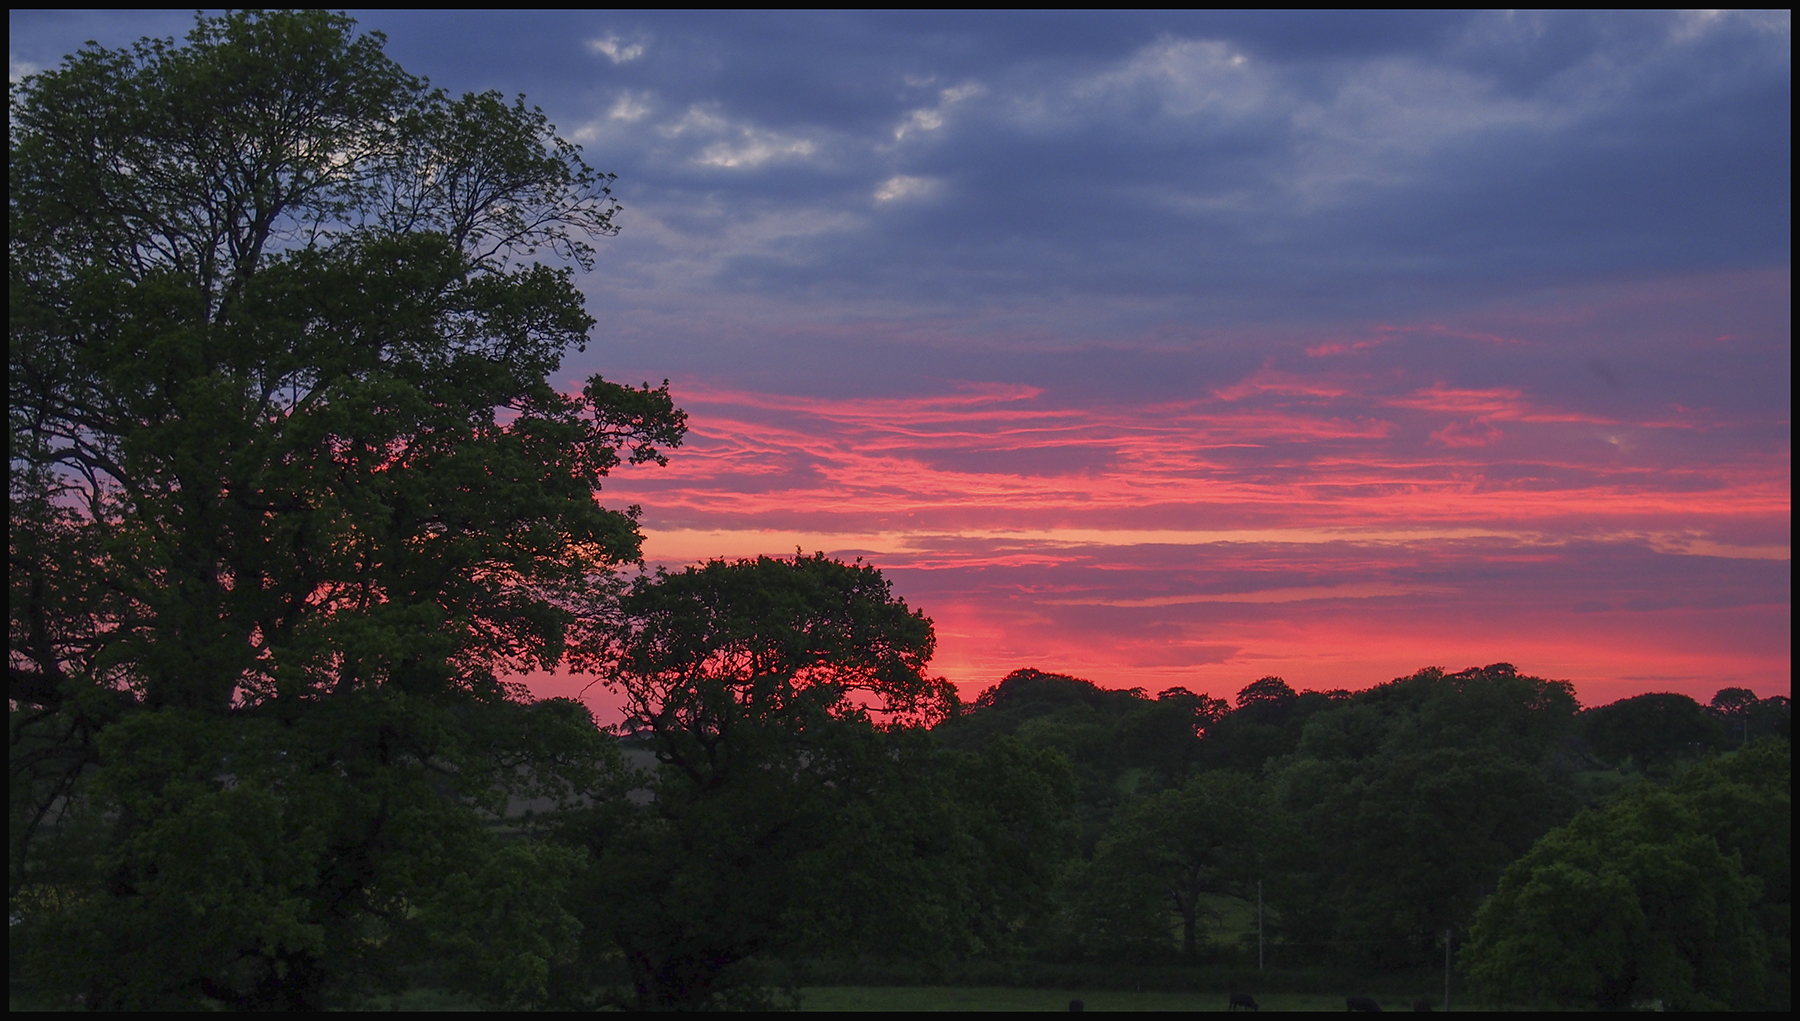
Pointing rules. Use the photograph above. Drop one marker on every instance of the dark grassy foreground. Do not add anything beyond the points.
(931, 998)
(1037, 986)
(914, 997)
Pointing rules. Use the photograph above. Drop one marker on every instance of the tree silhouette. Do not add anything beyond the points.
(290, 495)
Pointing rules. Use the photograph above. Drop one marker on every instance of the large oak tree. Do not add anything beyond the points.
(782, 816)
(290, 495)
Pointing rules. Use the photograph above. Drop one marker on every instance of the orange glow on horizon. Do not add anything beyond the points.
(998, 459)
(1334, 526)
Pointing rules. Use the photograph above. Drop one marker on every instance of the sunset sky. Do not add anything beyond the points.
(1190, 348)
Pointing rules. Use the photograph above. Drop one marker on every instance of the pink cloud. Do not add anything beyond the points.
(1473, 433)
(1332, 526)
(1014, 458)
(1214, 616)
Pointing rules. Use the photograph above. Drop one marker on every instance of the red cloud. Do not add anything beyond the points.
(1474, 433)
(1159, 544)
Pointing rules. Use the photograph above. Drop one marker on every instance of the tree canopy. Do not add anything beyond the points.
(1673, 897)
(791, 811)
(1652, 731)
(1164, 853)
(278, 383)
(291, 493)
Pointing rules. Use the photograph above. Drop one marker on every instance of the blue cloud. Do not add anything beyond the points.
(1211, 169)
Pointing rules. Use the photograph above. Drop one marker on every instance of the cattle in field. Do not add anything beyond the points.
(1366, 1003)
(1243, 1001)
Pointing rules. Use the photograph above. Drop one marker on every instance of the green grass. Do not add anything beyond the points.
(422, 999)
(929, 998)
(911, 998)
(1229, 923)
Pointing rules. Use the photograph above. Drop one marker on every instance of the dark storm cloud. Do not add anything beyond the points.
(1228, 174)
(1231, 167)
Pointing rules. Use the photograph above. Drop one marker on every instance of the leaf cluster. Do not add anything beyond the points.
(791, 810)
(290, 496)
(1677, 896)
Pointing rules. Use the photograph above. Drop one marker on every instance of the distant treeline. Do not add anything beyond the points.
(1377, 823)
(1631, 854)
(759, 824)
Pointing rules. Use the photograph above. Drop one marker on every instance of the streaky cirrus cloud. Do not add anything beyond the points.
(1304, 518)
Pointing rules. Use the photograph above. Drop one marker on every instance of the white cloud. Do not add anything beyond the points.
(1387, 120)
(904, 187)
(17, 69)
(920, 120)
(1192, 75)
(932, 118)
(615, 50)
(629, 108)
(697, 120)
(1690, 25)
(734, 145)
(754, 148)
(1379, 124)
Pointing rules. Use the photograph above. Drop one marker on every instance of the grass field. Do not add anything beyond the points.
(914, 998)
(928, 998)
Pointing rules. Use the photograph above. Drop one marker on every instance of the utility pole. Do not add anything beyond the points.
(1259, 941)
(1446, 970)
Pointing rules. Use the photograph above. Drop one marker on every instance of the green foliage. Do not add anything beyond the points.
(769, 641)
(1015, 809)
(1631, 904)
(1267, 700)
(290, 493)
(269, 440)
(257, 863)
(1381, 818)
(1027, 695)
(1744, 800)
(1378, 859)
(1520, 717)
(951, 857)
(782, 818)
(1117, 742)
(1162, 857)
(210, 865)
(1401, 805)
(1267, 723)
(1164, 736)
(1651, 732)
(1747, 717)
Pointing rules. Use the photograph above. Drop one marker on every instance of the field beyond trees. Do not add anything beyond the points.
(973, 998)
